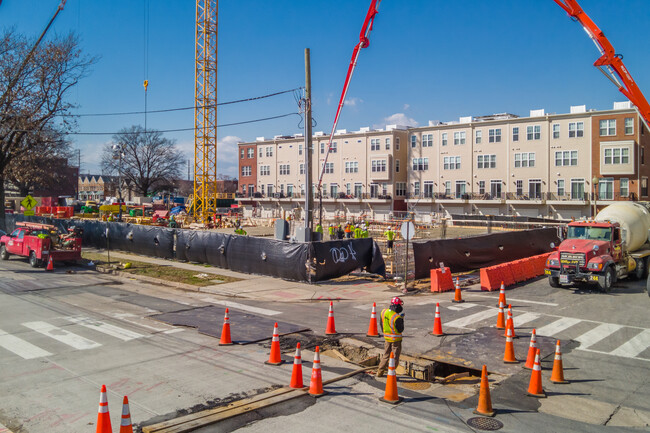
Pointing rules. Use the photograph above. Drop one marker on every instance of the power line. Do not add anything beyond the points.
(188, 129)
(127, 113)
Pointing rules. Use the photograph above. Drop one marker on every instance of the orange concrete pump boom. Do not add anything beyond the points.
(609, 63)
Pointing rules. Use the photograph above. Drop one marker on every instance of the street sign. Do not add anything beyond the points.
(407, 230)
(28, 202)
(28, 212)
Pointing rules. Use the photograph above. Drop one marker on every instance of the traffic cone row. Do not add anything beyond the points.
(104, 417)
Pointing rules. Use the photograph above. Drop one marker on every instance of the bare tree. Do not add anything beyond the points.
(37, 99)
(148, 158)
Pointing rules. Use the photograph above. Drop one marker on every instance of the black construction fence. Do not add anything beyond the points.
(313, 262)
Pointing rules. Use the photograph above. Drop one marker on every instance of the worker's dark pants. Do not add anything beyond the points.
(396, 348)
(348, 235)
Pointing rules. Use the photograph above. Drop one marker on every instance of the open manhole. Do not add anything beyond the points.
(484, 423)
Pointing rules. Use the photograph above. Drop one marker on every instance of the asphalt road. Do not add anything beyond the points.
(64, 335)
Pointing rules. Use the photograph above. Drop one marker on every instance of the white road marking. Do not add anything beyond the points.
(634, 346)
(243, 307)
(65, 337)
(524, 318)
(508, 299)
(106, 328)
(460, 307)
(463, 322)
(20, 347)
(610, 353)
(559, 325)
(597, 334)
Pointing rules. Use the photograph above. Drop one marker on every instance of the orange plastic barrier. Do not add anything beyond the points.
(441, 280)
(490, 279)
(506, 273)
(518, 270)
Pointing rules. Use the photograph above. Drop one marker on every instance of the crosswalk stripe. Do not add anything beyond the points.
(20, 347)
(509, 299)
(65, 337)
(106, 328)
(600, 332)
(634, 346)
(471, 319)
(461, 307)
(524, 318)
(243, 307)
(558, 326)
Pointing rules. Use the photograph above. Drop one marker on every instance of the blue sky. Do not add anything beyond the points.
(427, 60)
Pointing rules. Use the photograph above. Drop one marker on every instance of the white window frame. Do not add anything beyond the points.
(478, 134)
(444, 140)
(629, 127)
(607, 127)
(556, 130)
(494, 135)
(427, 140)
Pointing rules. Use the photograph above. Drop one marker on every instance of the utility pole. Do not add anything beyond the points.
(309, 199)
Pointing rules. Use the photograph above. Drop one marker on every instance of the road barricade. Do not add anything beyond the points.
(490, 279)
(441, 280)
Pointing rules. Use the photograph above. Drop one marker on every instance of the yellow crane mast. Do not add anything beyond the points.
(204, 199)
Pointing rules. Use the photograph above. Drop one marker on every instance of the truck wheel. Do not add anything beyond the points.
(4, 255)
(33, 261)
(605, 283)
(554, 281)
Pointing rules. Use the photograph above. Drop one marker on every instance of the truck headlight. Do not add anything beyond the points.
(595, 266)
(552, 263)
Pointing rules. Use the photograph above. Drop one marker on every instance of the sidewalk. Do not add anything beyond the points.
(270, 289)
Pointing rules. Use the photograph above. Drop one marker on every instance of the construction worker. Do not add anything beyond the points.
(332, 232)
(392, 319)
(364, 232)
(348, 231)
(390, 237)
(357, 232)
(240, 231)
(339, 232)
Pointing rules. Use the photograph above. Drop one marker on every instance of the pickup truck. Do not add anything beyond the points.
(39, 242)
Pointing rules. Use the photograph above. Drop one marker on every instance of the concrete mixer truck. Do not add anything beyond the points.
(612, 246)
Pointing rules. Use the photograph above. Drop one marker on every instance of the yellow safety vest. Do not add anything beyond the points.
(388, 318)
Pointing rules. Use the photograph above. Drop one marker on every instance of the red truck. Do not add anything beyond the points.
(41, 241)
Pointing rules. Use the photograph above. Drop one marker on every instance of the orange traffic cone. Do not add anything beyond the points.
(532, 350)
(510, 323)
(557, 375)
(437, 323)
(316, 383)
(457, 296)
(535, 386)
(225, 331)
(390, 395)
(296, 374)
(331, 327)
(484, 401)
(509, 354)
(501, 323)
(125, 425)
(103, 417)
(502, 294)
(372, 327)
(274, 357)
(50, 264)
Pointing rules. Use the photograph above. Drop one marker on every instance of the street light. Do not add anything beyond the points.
(118, 153)
(594, 181)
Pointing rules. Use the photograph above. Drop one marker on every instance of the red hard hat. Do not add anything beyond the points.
(396, 301)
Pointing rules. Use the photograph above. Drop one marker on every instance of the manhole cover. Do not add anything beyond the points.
(483, 423)
(415, 385)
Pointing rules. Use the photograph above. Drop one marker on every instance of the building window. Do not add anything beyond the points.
(284, 169)
(494, 135)
(533, 132)
(479, 136)
(607, 127)
(486, 161)
(428, 189)
(333, 147)
(378, 165)
(629, 126)
(329, 168)
(387, 142)
(617, 155)
(644, 186)
(300, 149)
(420, 164)
(251, 152)
(322, 148)
(246, 170)
(396, 143)
(519, 185)
(556, 130)
(451, 163)
(495, 188)
(265, 170)
(625, 187)
(374, 144)
(261, 152)
(515, 133)
(302, 168)
(427, 140)
(358, 190)
(577, 189)
(576, 129)
(351, 166)
(448, 188)
(243, 153)
(481, 187)
(460, 188)
(560, 187)
(269, 151)
(606, 188)
(400, 189)
(566, 158)
(397, 166)
(525, 159)
(414, 140)
(535, 188)
(416, 188)
(643, 156)
(459, 138)
(444, 138)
